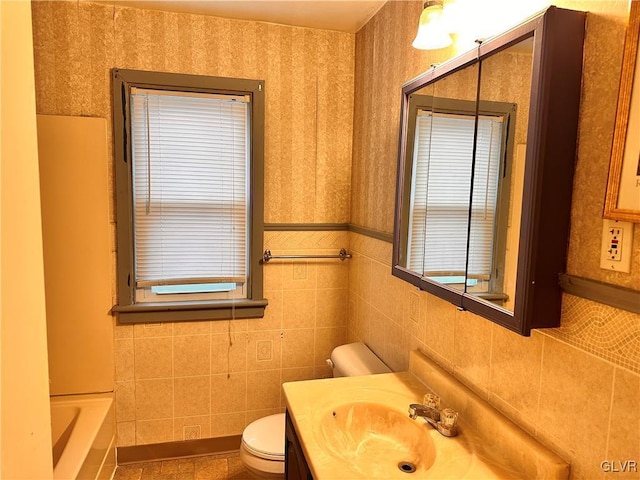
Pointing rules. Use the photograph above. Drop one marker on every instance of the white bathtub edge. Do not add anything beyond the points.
(93, 413)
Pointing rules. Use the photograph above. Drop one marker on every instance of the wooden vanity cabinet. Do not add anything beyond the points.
(295, 465)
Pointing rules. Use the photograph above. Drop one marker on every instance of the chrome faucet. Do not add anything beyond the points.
(444, 421)
(430, 414)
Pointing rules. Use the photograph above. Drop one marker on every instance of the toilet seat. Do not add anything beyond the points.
(265, 437)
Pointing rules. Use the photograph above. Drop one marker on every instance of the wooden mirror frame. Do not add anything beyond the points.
(623, 114)
(558, 37)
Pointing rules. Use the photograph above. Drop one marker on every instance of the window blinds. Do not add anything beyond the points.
(439, 217)
(190, 164)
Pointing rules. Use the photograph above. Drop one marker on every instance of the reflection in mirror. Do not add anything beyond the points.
(440, 144)
(505, 87)
(421, 111)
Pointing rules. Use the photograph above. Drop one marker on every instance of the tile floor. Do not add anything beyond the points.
(213, 467)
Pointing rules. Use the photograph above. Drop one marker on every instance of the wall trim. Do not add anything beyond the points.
(612, 295)
(310, 227)
(304, 227)
(377, 234)
(171, 450)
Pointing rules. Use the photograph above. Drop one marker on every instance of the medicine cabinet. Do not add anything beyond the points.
(485, 170)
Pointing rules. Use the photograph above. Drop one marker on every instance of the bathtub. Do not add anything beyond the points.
(82, 437)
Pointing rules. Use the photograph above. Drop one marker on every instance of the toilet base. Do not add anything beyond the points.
(260, 468)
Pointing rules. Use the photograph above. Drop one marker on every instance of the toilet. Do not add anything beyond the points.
(262, 447)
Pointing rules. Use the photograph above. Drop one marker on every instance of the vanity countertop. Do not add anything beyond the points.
(500, 451)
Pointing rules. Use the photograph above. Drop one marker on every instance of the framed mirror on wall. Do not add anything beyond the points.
(623, 186)
(485, 172)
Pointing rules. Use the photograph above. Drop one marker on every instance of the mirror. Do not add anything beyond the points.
(487, 146)
(504, 93)
(440, 145)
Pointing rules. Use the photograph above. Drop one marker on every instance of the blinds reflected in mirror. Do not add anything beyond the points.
(439, 216)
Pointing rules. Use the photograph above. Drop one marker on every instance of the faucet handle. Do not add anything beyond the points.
(431, 400)
(448, 424)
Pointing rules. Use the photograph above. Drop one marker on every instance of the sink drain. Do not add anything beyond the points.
(407, 467)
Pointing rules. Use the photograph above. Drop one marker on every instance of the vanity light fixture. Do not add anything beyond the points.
(432, 33)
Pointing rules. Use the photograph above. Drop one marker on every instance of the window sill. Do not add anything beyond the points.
(189, 311)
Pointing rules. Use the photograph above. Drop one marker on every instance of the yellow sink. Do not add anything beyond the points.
(376, 441)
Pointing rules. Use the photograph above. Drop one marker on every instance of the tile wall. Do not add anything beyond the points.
(180, 381)
(582, 404)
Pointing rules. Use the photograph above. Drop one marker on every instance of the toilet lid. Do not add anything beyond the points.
(265, 437)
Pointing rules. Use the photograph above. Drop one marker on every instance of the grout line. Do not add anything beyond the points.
(537, 414)
(613, 389)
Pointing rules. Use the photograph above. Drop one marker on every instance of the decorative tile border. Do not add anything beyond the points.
(607, 332)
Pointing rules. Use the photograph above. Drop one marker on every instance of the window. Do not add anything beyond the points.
(440, 219)
(189, 178)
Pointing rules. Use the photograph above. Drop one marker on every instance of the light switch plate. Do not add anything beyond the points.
(615, 252)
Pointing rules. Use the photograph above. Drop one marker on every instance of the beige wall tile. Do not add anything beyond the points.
(440, 323)
(322, 371)
(154, 431)
(228, 352)
(297, 348)
(413, 312)
(191, 428)
(153, 330)
(325, 341)
(516, 368)
(228, 424)
(126, 433)
(123, 356)
(125, 401)
(226, 326)
(273, 273)
(253, 415)
(362, 321)
(575, 389)
(354, 272)
(299, 309)
(154, 399)
(191, 355)
(153, 357)
(228, 393)
(123, 331)
(192, 396)
(299, 274)
(375, 335)
(264, 350)
(191, 328)
(624, 426)
(397, 348)
(331, 307)
(333, 274)
(472, 351)
(296, 375)
(263, 388)
(383, 297)
(306, 240)
(363, 267)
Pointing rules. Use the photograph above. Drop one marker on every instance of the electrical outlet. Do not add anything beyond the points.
(617, 238)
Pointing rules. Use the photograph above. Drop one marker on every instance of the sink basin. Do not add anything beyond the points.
(376, 440)
(359, 428)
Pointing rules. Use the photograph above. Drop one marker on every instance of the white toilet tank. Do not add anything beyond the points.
(355, 359)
